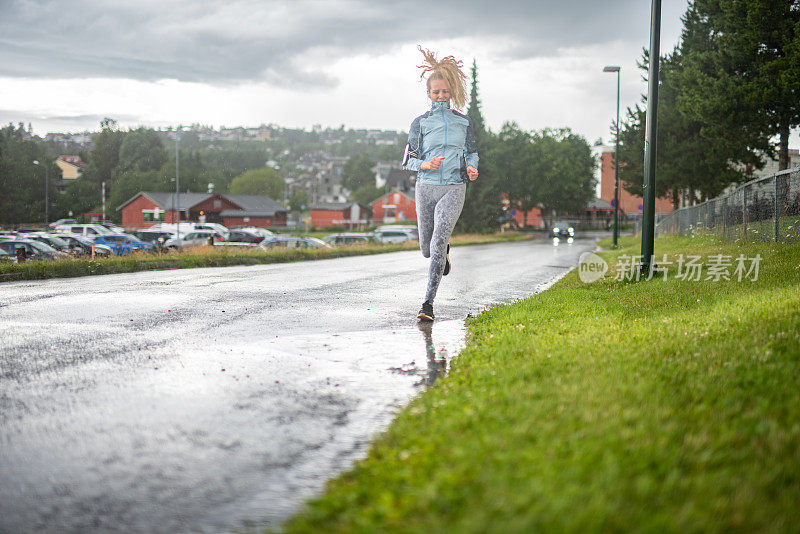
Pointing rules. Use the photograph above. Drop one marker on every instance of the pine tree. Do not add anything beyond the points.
(742, 77)
(474, 109)
(482, 210)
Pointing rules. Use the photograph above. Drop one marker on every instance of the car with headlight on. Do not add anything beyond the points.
(562, 229)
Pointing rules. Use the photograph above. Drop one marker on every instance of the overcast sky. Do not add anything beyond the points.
(64, 65)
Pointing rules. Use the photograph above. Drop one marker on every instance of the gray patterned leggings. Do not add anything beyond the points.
(438, 208)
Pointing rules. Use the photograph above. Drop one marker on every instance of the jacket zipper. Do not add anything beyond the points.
(444, 151)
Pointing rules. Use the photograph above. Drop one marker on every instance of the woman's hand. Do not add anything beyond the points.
(472, 173)
(433, 164)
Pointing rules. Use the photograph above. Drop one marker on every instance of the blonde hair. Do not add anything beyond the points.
(449, 70)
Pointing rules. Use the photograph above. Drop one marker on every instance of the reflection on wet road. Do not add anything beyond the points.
(218, 399)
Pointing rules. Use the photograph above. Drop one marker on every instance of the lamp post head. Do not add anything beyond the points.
(610, 69)
(35, 162)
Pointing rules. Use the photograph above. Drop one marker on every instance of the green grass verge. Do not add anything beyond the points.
(665, 405)
(214, 257)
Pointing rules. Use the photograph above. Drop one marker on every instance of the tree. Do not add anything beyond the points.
(263, 181)
(80, 197)
(105, 154)
(742, 72)
(687, 158)
(298, 200)
(141, 149)
(474, 108)
(525, 167)
(565, 170)
(357, 172)
(367, 193)
(21, 182)
(482, 210)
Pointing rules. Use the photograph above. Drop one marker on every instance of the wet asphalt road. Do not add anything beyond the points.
(209, 400)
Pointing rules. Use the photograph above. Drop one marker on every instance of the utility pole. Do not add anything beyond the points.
(46, 187)
(177, 182)
(650, 141)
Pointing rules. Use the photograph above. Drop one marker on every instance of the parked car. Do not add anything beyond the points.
(192, 239)
(157, 238)
(244, 236)
(187, 227)
(123, 244)
(409, 227)
(82, 246)
(62, 221)
(34, 250)
(86, 230)
(393, 235)
(54, 241)
(255, 229)
(562, 229)
(293, 242)
(6, 257)
(351, 238)
(112, 227)
(216, 227)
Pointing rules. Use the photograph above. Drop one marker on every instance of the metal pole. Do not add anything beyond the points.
(650, 140)
(46, 199)
(177, 183)
(104, 200)
(744, 212)
(616, 172)
(777, 204)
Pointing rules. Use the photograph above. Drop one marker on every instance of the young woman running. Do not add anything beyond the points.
(441, 148)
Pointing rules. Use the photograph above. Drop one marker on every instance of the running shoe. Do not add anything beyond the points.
(447, 262)
(426, 313)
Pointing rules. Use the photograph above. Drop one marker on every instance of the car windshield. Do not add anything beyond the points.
(57, 241)
(42, 247)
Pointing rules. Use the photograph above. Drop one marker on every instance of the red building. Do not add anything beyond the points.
(629, 204)
(344, 214)
(533, 218)
(146, 209)
(393, 207)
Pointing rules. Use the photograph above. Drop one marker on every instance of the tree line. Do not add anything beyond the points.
(729, 95)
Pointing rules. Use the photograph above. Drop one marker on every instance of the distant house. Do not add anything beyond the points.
(393, 207)
(532, 218)
(339, 214)
(401, 180)
(147, 208)
(254, 211)
(71, 169)
(71, 166)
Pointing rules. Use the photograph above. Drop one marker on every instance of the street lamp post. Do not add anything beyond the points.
(650, 141)
(46, 184)
(177, 183)
(616, 161)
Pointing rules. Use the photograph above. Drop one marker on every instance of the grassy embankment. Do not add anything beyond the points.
(214, 257)
(665, 405)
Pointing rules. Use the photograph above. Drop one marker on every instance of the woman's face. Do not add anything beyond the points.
(439, 90)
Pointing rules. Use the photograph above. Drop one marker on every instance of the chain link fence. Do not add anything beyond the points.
(766, 209)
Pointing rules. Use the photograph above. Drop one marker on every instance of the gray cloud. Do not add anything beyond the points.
(89, 121)
(229, 41)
